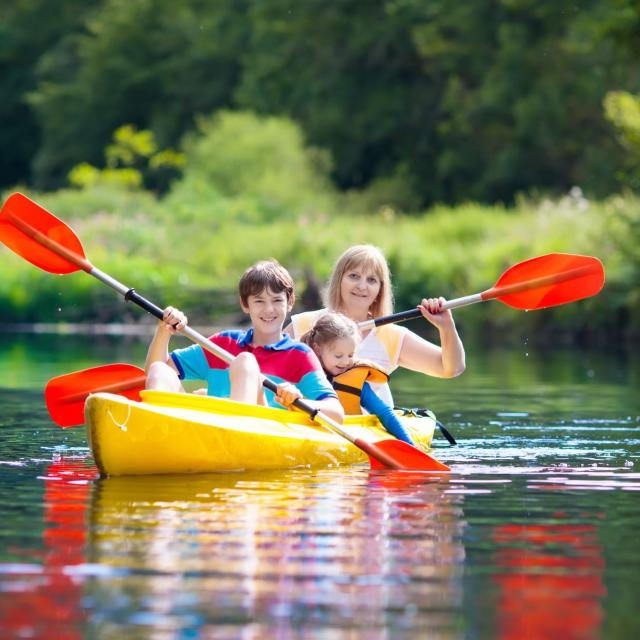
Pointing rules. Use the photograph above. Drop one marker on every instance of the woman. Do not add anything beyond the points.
(360, 288)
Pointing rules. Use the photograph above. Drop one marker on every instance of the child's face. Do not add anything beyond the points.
(337, 356)
(359, 288)
(267, 310)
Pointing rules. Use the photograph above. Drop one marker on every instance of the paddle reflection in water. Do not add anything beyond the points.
(550, 579)
(45, 601)
(363, 552)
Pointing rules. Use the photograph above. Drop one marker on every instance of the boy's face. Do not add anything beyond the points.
(268, 310)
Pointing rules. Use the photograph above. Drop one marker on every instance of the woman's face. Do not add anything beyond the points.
(337, 356)
(359, 289)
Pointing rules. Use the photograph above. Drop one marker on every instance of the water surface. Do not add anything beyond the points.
(533, 535)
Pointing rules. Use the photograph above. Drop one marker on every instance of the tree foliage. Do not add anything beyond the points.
(153, 63)
(133, 161)
(29, 29)
(437, 100)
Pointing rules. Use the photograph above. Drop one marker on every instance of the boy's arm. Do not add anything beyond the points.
(173, 321)
(330, 407)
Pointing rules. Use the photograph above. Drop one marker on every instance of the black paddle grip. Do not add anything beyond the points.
(398, 317)
(149, 307)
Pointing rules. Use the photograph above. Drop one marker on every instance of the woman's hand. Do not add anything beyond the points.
(173, 320)
(287, 394)
(431, 309)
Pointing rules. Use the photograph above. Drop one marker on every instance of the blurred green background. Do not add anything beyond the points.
(183, 141)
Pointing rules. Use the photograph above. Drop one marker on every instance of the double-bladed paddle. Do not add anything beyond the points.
(47, 242)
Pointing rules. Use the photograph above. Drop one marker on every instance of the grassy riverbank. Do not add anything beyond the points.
(250, 188)
(194, 256)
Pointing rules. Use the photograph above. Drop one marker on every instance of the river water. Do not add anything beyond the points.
(533, 535)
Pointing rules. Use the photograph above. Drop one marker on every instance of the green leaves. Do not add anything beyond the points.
(133, 160)
(445, 101)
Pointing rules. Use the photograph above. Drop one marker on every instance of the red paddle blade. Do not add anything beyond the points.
(548, 281)
(39, 237)
(65, 395)
(396, 454)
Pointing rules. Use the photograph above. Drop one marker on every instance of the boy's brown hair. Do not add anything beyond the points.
(266, 274)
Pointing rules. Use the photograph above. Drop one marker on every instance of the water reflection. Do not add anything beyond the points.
(550, 581)
(533, 535)
(279, 551)
(45, 600)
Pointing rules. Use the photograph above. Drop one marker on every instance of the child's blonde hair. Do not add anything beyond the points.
(368, 258)
(329, 327)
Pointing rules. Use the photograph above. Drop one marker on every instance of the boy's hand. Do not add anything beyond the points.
(173, 320)
(287, 394)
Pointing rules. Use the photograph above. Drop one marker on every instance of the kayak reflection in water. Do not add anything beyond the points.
(47, 600)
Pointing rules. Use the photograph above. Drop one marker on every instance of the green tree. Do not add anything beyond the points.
(623, 111)
(426, 101)
(466, 100)
(153, 63)
(28, 29)
(240, 166)
(132, 160)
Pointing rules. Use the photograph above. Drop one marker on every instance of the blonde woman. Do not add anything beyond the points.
(360, 288)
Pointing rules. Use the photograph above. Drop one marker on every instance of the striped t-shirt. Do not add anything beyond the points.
(284, 361)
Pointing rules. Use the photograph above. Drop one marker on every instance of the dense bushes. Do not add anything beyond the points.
(252, 189)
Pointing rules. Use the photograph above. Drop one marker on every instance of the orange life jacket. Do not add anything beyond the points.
(348, 385)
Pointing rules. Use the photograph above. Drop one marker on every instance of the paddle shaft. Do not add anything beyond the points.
(488, 294)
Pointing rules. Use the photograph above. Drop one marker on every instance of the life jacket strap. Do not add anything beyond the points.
(339, 386)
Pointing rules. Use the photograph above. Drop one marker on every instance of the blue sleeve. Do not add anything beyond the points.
(315, 386)
(374, 404)
(191, 363)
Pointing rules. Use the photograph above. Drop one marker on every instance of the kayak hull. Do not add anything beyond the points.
(185, 433)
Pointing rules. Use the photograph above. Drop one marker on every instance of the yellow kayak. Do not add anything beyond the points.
(186, 433)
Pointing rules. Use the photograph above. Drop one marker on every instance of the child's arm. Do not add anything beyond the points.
(374, 404)
(174, 320)
(288, 393)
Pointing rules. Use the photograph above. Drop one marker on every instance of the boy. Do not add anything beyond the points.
(267, 295)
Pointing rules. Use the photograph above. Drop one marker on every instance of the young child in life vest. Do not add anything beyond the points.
(334, 339)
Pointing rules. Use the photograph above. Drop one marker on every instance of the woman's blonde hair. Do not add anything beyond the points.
(329, 327)
(368, 258)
